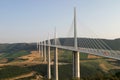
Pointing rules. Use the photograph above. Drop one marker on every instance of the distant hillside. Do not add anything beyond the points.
(18, 49)
(9, 48)
(12, 51)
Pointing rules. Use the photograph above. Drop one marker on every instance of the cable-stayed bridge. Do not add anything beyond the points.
(115, 54)
(89, 46)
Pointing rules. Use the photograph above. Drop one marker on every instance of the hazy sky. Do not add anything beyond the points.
(32, 20)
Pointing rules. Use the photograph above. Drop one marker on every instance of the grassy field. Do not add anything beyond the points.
(12, 56)
(90, 70)
(12, 71)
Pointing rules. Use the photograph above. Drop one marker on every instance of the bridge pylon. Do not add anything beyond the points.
(76, 61)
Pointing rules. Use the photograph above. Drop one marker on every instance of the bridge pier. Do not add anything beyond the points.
(49, 62)
(42, 49)
(56, 64)
(44, 55)
(76, 65)
(39, 48)
(55, 58)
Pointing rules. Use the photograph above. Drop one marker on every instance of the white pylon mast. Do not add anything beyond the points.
(76, 62)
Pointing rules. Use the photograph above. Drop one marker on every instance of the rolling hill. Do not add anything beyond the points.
(19, 49)
(91, 69)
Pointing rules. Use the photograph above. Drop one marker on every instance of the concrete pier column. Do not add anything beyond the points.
(44, 57)
(39, 47)
(55, 58)
(49, 64)
(42, 49)
(49, 61)
(76, 65)
(56, 64)
(73, 65)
